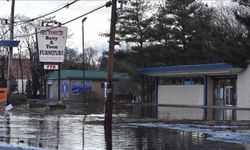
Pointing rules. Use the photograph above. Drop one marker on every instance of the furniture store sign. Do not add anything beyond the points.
(51, 43)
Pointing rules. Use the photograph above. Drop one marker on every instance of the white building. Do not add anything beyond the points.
(202, 92)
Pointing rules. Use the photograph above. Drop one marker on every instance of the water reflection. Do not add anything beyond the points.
(66, 132)
(50, 132)
(165, 139)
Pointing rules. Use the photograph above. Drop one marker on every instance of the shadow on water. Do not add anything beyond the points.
(155, 138)
(86, 132)
(108, 140)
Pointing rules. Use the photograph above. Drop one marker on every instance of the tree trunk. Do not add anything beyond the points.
(2, 70)
(21, 68)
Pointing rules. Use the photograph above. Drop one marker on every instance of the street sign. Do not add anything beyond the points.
(50, 67)
(51, 43)
(9, 43)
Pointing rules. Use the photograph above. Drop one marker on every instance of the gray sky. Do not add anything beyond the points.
(96, 22)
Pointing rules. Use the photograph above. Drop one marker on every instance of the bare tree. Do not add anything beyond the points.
(72, 59)
(25, 32)
(91, 57)
(3, 54)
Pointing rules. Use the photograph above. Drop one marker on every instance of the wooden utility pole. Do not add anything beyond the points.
(10, 51)
(83, 64)
(109, 101)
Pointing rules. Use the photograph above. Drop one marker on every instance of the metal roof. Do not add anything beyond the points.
(89, 75)
(192, 70)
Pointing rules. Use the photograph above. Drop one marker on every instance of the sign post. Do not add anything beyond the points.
(51, 47)
(8, 43)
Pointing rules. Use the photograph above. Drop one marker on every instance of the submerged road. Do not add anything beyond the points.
(38, 130)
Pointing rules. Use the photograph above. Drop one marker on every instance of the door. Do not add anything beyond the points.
(50, 91)
(228, 100)
(225, 95)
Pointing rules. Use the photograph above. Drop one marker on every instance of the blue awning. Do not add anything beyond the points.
(188, 70)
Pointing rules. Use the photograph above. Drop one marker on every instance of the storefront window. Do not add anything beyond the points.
(181, 81)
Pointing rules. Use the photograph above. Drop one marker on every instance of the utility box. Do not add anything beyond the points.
(3, 95)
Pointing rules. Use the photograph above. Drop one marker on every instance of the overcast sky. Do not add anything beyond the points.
(96, 22)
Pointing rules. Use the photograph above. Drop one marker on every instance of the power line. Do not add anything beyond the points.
(41, 16)
(107, 4)
(2, 36)
(75, 10)
(47, 14)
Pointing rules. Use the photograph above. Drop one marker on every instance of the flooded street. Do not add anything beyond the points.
(125, 75)
(86, 132)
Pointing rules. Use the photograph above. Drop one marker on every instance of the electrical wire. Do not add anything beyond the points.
(107, 4)
(2, 36)
(75, 10)
(41, 16)
(47, 14)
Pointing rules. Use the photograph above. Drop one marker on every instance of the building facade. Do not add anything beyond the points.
(75, 84)
(201, 92)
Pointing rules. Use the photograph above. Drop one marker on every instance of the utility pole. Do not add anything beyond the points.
(83, 63)
(109, 101)
(10, 52)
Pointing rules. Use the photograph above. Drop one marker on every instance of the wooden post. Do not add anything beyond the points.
(109, 101)
(59, 84)
(83, 63)
(10, 51)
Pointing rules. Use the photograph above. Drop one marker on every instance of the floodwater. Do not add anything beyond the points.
(86, 132)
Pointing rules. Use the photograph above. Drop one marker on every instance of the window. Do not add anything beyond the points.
(181, 81)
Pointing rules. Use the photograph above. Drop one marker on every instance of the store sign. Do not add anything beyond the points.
(79, 87)
(51, 43)
(9, 43)
(50, 67)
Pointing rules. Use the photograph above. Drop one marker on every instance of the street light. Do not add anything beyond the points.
(83, 61)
